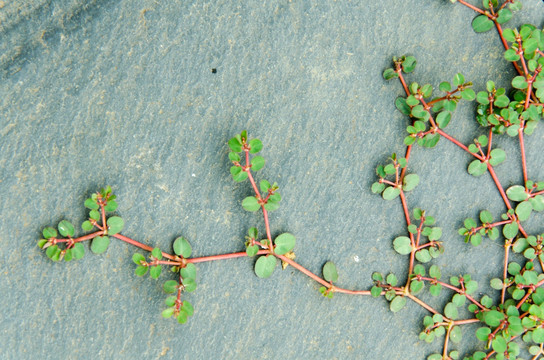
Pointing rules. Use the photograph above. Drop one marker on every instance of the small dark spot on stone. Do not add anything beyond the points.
(214, 70)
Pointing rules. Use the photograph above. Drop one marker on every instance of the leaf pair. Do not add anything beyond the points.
(265, 265)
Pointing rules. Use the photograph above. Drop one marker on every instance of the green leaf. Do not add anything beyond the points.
(66, 228)
(238, 176)
(423, 256)
(110, 206)
(481, 24)
(419, 270)
(458, 79)
(416, 286)
(284, 243)
(435, 289)
(68, 255)
(391, 279)
(517, 193)
(182, 247)
(523, 210)
(255, 146)
(538, 335)
(389, 74)
(477, 168)
(170, 286)
(257, 163)
(53, 252)
(515, 6)
(189, 284)
(115, 225)
(410, 181)
(493, 318)
(251, 203)
(445, 86)
(459, 300)
(391, 193)
(138, 259)
(510, 230)
(435, 234)
(376, 291)
(329, 272)
(409, 64)
(476, 239)
(468, 94)
(486, 217)
(265, 265)
(182, 317)
(94, 214)
(419, 112)
(271, 206)
(234, 157)
(496, 283)
(91, 204)
(427, 90)
(456, 335)
(499, 344)
(537, 202)
(376, 276)
(450, 310)
(443, 119)
(252, 250)
(87, 226)
(264, 185)
(402, 245)
(504, 16)
(188, 308)
(434, 272)
(49, 232)
(167, 313)
(235, 144)
(78, 251)
(377, 187)
(141, 270)
(519, 82)
(155, 272)
(156, 253)
(401, 105)
(483, 333)
(188, 272)
(397, 303)
(412, 101)
(497, 157)
(511, 55)
(171, 300)
(470, 286)
(100, 244)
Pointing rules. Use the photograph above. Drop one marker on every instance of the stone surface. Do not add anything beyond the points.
(123, 94)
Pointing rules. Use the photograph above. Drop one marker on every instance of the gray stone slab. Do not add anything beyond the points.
(122, 94)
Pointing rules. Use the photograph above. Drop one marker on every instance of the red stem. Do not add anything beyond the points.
(140, 245)
(223, 256)
(456, 142)
(473, 7)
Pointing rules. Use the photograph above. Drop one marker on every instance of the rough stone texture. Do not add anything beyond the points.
(122, 93)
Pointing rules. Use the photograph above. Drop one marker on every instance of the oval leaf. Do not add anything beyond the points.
(402, 245)
(115, 225)
(251, 203)
(100, 244)
(482, 23)
(66, 228)
(265, 265)
(182, 247)
(329, 272)
(284, 243)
